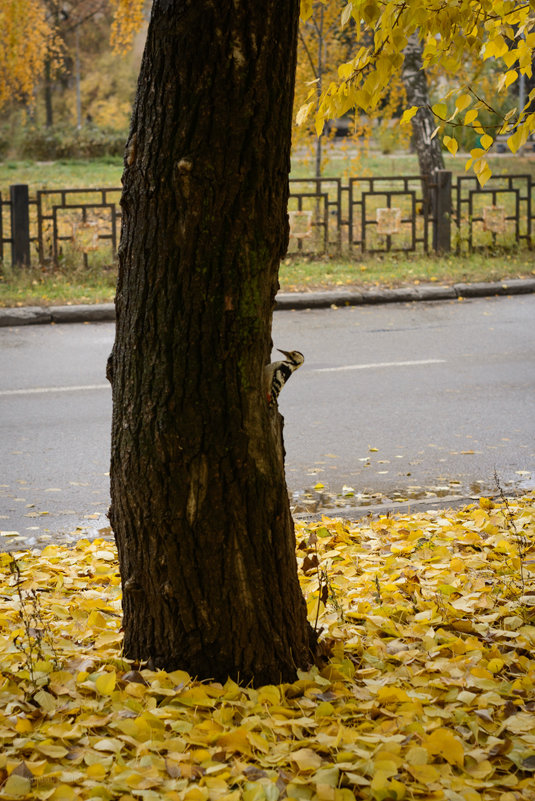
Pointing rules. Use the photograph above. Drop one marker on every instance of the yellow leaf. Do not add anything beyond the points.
(484, 175)
(258, 742)
(236, 740)
(344, 794)
(138, 729)
(16, 787)
(520, 723)
(45, 700)
(96, 620)
(346, 13)
(105, 683)
(254, 791)
(408, 114)
(440, 110)
(424, 773)
(269, 694)
(486, 503)
(303, 113)
(462, 102)
(443, 743)
(306, 759)
(382, 788)
(510, 77)
(417, 755)
(52, 751)
(495, 665)
(195, 696)
(451, 144)
(64, 792)
(392, 695)
(96, 771)
(306, 9)
(470, 116)
(107, 744)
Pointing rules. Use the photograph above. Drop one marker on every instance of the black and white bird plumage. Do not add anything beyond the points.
(278, 373)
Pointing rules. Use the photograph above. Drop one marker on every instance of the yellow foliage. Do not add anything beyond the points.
(26, 41)
(425, 692)
(128, 19)
(453, 34)
(29, 40)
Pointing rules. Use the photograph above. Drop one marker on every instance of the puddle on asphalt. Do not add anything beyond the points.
(312, 500)
(315, 499)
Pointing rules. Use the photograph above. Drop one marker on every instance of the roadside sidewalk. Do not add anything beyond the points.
(105, 312)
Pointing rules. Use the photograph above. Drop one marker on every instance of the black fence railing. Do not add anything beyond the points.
(327, 215)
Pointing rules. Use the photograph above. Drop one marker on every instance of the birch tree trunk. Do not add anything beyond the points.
(423, 123)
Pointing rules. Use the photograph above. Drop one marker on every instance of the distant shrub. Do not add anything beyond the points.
(51, 144)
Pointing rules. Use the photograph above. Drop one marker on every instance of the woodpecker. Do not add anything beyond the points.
(278, 373)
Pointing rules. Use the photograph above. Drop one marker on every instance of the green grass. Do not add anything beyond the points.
(61, 174)
(36, 287)
(107, 172)
(397, 270)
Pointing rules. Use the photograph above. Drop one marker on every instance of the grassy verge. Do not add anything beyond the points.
(339, 160)
(36, 287)
(399, 269)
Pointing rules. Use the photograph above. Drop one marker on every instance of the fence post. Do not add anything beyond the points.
(20, 225)
(442, 212)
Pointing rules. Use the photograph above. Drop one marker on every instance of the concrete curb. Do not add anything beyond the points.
(105, 312)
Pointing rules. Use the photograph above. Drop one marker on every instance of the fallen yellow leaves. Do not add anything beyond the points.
(427, 692)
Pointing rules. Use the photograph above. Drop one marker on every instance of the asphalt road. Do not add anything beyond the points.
(404, 400)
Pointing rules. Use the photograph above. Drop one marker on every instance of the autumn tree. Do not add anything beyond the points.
(27, 37)
(41, 44)
(200, 507)
(502, 31)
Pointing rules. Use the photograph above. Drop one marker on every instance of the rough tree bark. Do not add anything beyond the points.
(423, 123)
(200, 508)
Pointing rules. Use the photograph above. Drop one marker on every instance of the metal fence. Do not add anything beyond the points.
(327, 216)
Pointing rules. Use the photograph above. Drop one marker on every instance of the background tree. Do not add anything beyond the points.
(423, 123)
(200, 507)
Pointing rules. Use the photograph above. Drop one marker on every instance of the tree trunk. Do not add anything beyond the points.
(423, 123)
(200, 508)
(49, 111)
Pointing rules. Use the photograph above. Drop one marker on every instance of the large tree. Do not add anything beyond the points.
(200, 508)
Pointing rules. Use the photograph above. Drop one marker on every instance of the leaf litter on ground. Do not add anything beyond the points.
(426, 689)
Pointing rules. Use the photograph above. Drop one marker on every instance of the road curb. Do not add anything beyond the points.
(333, 298)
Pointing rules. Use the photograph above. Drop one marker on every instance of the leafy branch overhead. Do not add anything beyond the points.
(501, 33)
(425, 688)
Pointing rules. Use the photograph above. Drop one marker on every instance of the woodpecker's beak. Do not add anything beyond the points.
(285, 353)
